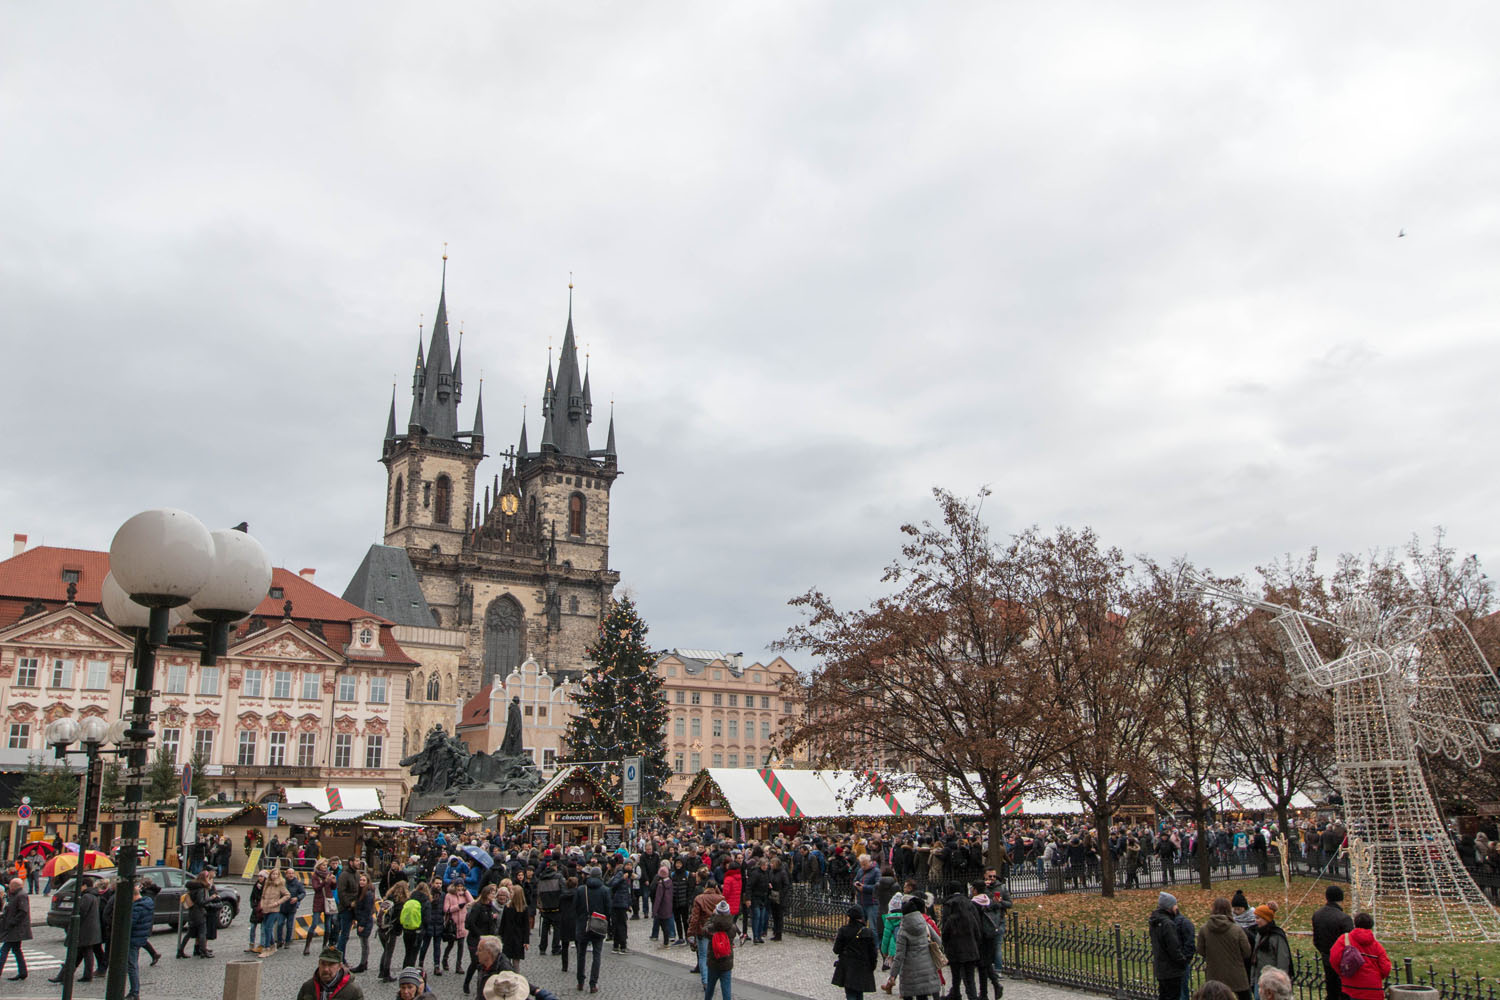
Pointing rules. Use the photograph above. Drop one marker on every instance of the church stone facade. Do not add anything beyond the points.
(515, 563)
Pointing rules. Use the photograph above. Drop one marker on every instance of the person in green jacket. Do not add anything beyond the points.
(890, 924)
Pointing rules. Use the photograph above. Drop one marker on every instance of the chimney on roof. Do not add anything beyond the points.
(20, 545)
(307, 574)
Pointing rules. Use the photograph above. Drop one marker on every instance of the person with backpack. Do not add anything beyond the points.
(1361, 960)
(411, 924)
(1272, 950)
(549, 892)
(891, 925)
(703, 907)
(854, 948)
(1329, 922)
(388, 926)
(719, 957)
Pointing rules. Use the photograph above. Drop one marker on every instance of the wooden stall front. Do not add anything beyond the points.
(572, 808)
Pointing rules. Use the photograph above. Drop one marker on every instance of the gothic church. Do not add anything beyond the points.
(518, 566)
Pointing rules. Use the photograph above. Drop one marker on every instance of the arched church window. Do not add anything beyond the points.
(434, 688)
(427, 495)
(396, 503)
(503, 639)
(575, 514)
(442, 500)
(408, 695)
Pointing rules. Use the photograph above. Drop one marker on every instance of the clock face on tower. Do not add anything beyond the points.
(509, 504)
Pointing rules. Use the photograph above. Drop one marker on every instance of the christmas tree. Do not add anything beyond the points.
(622, 711)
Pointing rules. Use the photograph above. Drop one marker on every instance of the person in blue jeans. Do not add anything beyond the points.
(718, 969)
(866, 887)
(142, 916)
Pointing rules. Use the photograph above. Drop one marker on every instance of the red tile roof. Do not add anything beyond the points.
(476, 711)
(36, 575)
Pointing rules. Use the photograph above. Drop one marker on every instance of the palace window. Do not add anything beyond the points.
(734, 701)
(765, 701)
(677, 762)
(276, 755)
(348, 689)
(307, 749)
(541, 711)
(281, 684)
(734, 760)
(681, 697)
(343, 749)
(253, 680)
(311, 685)
(549, 758)
(208, 680)
(442, 500)
(97, 676)
(718, 727)
(697, 762)
(246, 755)
(377, 690)
(171, 739)
(20, 736)
(26, 668)
(718, 760)
(203, 743)
(697, 698)
(374, 751)
(176, 679)
(718, 698)
(679, 728)
(765, 730)
(62, 674)
(697, 728)
(734, 729)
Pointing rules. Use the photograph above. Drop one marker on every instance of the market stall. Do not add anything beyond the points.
(571, 808)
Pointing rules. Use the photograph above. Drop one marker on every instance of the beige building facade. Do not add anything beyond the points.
(546, 708)
(724, 712)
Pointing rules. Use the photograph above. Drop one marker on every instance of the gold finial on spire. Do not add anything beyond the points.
(445, 249)
(570, 281)
(421, 323)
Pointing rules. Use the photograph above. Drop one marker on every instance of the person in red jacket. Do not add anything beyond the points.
(1369, 982)
(734, 885)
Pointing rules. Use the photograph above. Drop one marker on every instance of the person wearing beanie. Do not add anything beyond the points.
(719, 969)
(892, 923)
(702, 911)
(855, 957)
(1329, 923)
(1168, 963)
(331, 980)
(412, 986)
(912, 963)
(1272, 950)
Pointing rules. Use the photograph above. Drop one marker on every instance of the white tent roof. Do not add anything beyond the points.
(1251, 799)
(746, 793)
(465, 812)
(363, 799)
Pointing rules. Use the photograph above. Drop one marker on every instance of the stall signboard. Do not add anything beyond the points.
(577, 817)
(612, 836)
(540, 836)
(705, 814)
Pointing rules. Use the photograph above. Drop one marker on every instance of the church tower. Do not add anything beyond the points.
(520, 563)
(431, 467)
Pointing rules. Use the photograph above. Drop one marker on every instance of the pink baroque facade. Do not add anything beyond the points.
(299, 701)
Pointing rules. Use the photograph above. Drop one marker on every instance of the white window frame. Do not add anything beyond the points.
(96, 676)
(203, 743)
(242, 744)
(254, 683)
(60, 673)
(276, 748)
(28, 670)
(171, 742)
(343, 750)
(312, 687)
(307, 749)
(348, 687)
(375, 743)
(208, 681)
(379, 691)
(177, 674)
(18, 737)
(281, 684)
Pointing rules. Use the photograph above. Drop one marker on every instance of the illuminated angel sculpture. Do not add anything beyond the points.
(1416, 678)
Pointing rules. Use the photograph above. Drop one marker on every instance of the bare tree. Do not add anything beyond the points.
(1100, 657)
(937, 676)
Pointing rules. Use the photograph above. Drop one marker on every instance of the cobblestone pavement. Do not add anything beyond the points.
(782, 970)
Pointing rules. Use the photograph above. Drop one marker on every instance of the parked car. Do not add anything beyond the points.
(173, 882)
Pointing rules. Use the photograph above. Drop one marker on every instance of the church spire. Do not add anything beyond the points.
(390, 422)
(522, 449)
(477, 434)
(609, 445)
(440, 400)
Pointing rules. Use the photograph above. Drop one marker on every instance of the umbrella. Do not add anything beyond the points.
(480, 855)
(36, 847)
(67, 862)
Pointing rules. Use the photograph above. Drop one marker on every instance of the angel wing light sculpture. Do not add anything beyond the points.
(1415, 679)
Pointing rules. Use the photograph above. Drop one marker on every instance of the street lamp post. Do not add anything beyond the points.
(92, 732)
(165, 561)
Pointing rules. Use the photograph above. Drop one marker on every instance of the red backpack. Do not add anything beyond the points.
(719, 946)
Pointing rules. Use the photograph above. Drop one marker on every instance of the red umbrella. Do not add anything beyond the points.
(36, 847)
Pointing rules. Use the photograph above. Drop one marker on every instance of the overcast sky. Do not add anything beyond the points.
(1133, 266)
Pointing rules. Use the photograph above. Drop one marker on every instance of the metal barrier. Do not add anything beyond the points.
(1113, 960)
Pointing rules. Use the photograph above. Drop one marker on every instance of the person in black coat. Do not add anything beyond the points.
(567, 918)
(961, 937)
(854, 945)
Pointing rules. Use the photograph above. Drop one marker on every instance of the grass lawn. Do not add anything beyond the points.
(1131, 908)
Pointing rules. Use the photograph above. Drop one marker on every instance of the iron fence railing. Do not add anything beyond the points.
(1114, 961)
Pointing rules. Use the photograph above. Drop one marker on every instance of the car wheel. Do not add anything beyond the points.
(226, 915)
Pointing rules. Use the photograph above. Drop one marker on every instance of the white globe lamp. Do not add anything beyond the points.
(117, 730)
(93, 730)
(240, 579)
(62, 732)
(162, 557)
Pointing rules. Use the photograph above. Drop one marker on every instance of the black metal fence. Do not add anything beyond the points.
(1112, 961)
